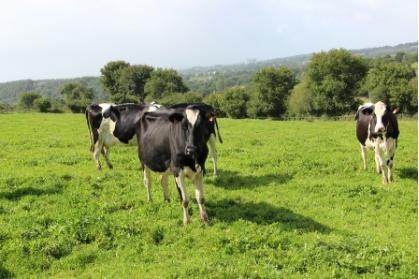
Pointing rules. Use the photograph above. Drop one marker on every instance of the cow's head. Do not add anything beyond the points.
(380, 114)
(194, 127)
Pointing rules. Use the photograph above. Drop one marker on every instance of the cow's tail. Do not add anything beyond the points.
(218, 130)
(90, 129)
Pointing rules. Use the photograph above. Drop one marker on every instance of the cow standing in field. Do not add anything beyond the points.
(110, 124)
(173, 141)
(377, 128)
(209, 135)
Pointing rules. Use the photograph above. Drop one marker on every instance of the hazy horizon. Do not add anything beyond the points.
(45, 39)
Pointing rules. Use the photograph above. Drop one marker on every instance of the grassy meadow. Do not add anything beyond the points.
(291, 201)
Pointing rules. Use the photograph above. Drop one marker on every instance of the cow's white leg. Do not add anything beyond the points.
(105, 152)
(364, 155)
(379, 159)
(199, 193)
(391, 149)
(213, 153)
(96, 153)
(165, 185)
(147, 182)
(182, 191)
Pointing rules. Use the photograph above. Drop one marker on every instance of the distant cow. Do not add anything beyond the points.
(210, 133)
(174, 141)
(110, 124)
(377, 128)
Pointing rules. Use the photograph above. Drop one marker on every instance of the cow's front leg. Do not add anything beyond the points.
(379, 159)
(165, 184)
(199, 193)
(213, 153)
(391, 149)
(182, 192)
(105, 152)
(364, 155)
(147, 182)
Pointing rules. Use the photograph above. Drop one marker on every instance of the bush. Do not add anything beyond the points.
(27, 99)
(234, 102)
(42, 104)
(299, 102)
(271, 87)
(215, 100)
(177, 98)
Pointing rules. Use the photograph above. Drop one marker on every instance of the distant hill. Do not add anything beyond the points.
(200, 79)
(10, 91)
(297, 61)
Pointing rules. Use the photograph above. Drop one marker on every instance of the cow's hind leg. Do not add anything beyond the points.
(96, 153)
(105, 152)
(165, 185)
(364, 155)
(147, 182)
(182, 192)
(199, 193)
(213, 153)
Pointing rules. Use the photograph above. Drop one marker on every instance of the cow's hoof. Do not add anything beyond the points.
(110, 166)
(186, 221)
(204, 218)
(167, 200)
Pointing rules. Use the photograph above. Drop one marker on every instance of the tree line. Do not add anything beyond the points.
(332, 83)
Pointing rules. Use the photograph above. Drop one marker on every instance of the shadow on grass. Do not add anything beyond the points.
(4, 273)
(411, 173)
(28, 191)
(234, 180)
(263, 213)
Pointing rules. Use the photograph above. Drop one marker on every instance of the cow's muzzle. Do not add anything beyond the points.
(190, 150)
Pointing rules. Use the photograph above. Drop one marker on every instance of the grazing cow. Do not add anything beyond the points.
(377, 128)
(173, 141)
(210, 133)
(110, 124)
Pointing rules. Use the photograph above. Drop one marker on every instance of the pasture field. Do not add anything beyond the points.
(291, 201)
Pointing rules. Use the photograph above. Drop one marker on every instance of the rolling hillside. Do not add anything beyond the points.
(201, 79)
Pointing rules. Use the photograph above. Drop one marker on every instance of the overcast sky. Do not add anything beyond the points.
(71, 38)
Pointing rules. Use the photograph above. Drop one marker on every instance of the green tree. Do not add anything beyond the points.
(110, 74)
(271, 87)
(390, 82)
(176, 98)
(42, 104)
(333, 79)
(234, 102)
(77, 96)
(215, 100)
(130, 83)
(299, 102)
(164, 81)
(27, 99)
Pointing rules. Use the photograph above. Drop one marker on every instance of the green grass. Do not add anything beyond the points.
(291, 201)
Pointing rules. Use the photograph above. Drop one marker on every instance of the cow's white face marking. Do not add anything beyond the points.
(380, 109)
(192, 115)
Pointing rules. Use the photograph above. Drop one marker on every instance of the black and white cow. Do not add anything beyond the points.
(172, 141)
(210, 136)
(110, 124)
(377, 128)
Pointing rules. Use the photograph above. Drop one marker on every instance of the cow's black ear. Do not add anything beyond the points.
(368, 110)
(175, 117)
